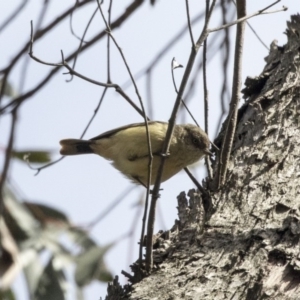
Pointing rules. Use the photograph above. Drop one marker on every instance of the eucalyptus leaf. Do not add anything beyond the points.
(51, 284)
(8, 90)
(33, 156)
(91, 266)
(46, 214)
(7, 295)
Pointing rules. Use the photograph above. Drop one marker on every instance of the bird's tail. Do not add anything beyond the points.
(74, 147)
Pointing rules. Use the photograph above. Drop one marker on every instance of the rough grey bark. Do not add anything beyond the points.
(250, 247)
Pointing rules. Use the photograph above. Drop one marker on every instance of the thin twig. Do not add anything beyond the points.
(272, 4)
(173, 77)
(195, 181)
(182, 101)
(213, 50)
(111, 206)
(71, 22)
(39, 169)
(240, 20)
(95, 113)
(189, 22)
(82, 41)
(135, 220)
(189, 112)
(149, 93)
(108, 43)
(232, 116)
(205, 90)
(27, 59)
(253, 30)
(126, 274)
(226, 48)
(13, 15)
(258, 37)
(206, 108)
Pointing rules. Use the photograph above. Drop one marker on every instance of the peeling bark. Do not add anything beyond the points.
(249, 249)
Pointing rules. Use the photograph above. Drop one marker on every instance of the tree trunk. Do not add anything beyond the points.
(249, 249)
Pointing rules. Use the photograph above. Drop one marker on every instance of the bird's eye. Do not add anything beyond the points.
(195, 141)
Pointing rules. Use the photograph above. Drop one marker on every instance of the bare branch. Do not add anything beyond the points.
(39, 169)
(108, 43)
(205, 90)
(118, 22)
(189, 22)
(226, 48)
(26, 61)
(13, 15)
(82, 40)
(175, 87)
(260, 12)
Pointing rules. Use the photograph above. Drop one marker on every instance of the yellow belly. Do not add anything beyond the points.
(141, 167)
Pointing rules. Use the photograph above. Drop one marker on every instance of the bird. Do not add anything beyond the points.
(127, 148)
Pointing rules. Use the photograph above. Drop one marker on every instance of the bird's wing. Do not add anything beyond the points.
(130, 142)
(114, 131)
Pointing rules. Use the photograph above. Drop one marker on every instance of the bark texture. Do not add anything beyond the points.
(250, 247)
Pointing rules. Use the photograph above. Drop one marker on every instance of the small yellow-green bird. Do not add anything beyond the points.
(127, 148)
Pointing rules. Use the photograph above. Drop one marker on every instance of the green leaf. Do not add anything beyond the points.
(7, 295)
(8, 90)
(18, 218)
(46, 214)
(91, 266)
(51, 284)
(32, 156)
(81, 237)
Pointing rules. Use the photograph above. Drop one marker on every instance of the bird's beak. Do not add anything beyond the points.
(207, 152)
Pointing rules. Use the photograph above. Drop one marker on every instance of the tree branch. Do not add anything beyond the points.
(237, 82)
